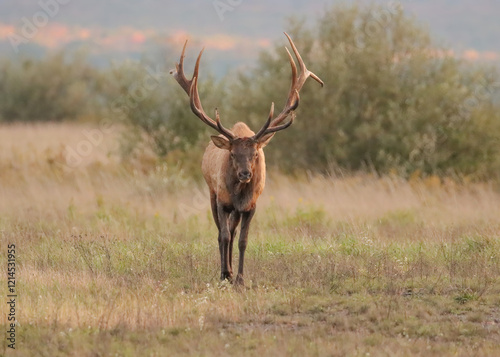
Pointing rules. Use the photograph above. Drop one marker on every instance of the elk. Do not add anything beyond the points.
(234, 165)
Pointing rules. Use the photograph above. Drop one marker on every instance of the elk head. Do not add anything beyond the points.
(244, 152)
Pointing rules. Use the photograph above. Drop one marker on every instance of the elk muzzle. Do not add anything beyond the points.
(245, 176)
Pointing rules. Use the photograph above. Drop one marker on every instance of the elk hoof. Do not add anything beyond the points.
(226, 276)
(239, 280)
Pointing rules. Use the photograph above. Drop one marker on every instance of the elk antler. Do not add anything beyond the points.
(191, 88)
(293, 100)
(265, 130)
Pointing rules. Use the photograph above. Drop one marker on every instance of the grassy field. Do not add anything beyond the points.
(122, 260)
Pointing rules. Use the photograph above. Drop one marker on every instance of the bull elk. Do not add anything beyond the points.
(233, 163)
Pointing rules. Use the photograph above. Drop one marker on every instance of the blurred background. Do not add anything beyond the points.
(412, 87)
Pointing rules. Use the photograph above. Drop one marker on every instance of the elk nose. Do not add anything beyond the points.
(245, 175)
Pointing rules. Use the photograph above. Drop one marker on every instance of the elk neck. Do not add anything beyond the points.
(244, 195)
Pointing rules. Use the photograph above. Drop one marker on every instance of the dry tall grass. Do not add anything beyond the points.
(35, 176)
(123, 259)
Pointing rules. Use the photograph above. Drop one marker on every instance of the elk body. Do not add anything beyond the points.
(234, 165)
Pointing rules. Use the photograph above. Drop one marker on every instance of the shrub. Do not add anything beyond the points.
(55, 88)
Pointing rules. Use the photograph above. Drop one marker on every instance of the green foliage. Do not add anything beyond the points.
(392, 101)
(465, 296)
(53, 89)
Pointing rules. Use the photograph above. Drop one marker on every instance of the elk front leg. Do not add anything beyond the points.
(234, 220)
(242, 244)
(224, 242)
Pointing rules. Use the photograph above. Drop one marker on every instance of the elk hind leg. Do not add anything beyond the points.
(213, 204)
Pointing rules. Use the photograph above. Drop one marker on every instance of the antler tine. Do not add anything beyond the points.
(266, 125)
(282, 126)
(178, 73)
(191, 88)
(305, 72)
(294, 78)
(221, 128)
(197, 65)
(276, 128)
(297, 54)
(297, 82)
(265, 130)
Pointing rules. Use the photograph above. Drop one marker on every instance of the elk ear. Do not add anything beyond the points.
(265, 140)
(221, 143)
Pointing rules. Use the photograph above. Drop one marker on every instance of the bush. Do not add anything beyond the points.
(52, 89)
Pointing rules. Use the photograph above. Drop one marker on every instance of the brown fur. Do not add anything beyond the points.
(216, 167)
(231, 199)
